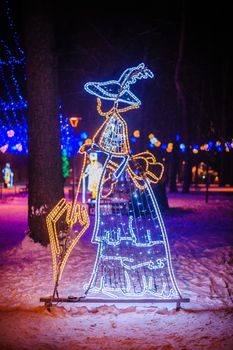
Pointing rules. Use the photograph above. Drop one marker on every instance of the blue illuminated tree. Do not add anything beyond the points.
(13, 104)
(41, 135)
(13, 101)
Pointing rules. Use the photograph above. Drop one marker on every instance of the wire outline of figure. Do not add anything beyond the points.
(8, 176)
(112, 139)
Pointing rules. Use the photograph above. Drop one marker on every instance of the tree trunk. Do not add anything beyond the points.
(44, 148)
(223, 167)
(187, 172)
(182, 106)
(174, 168)
(161, 195)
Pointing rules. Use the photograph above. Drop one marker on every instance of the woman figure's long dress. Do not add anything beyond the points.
(133, 257)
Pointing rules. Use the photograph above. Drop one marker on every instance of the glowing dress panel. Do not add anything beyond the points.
(133, 257)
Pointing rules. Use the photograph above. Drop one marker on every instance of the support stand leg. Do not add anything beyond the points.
(178, 306)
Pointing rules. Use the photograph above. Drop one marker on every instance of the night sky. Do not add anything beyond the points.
(97, 43)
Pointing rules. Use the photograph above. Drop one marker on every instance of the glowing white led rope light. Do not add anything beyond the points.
(119, 90)
(165, 237)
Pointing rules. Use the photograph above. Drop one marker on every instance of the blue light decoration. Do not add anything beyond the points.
(70, 141)
(218, 146)
(14, 138)
(133, 139)
(13, 135)
(13, 105)
(182, 147)
(177, 137)
(83, 135)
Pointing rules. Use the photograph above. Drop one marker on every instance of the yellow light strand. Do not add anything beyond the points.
(107, 114)
(150, 159)
(75, 212)
(52, 218)
(85, 218)
(99, 110)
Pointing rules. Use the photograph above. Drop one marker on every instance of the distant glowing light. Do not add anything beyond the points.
(74, 121)
(88, 142)
(4, 148)
(19, 147)
(153, 140)
(169, 147)
(10, 133)
(195, 149)
(219, 148)
(83, 135)
(182, 147)
(133, 139)
(136, 133)
(210, 145)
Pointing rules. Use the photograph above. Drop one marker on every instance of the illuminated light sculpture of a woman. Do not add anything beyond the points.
(133, 258)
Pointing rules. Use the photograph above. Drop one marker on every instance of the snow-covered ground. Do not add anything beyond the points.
(201, 242)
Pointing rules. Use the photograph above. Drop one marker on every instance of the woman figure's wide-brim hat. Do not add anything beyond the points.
(119, 90)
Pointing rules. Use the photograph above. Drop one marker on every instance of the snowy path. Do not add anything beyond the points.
(201, 240)
(13, 213)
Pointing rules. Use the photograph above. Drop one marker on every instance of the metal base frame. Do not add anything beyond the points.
(50, 301)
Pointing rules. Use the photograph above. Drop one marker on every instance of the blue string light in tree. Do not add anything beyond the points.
(13, 137)
(13, 105)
